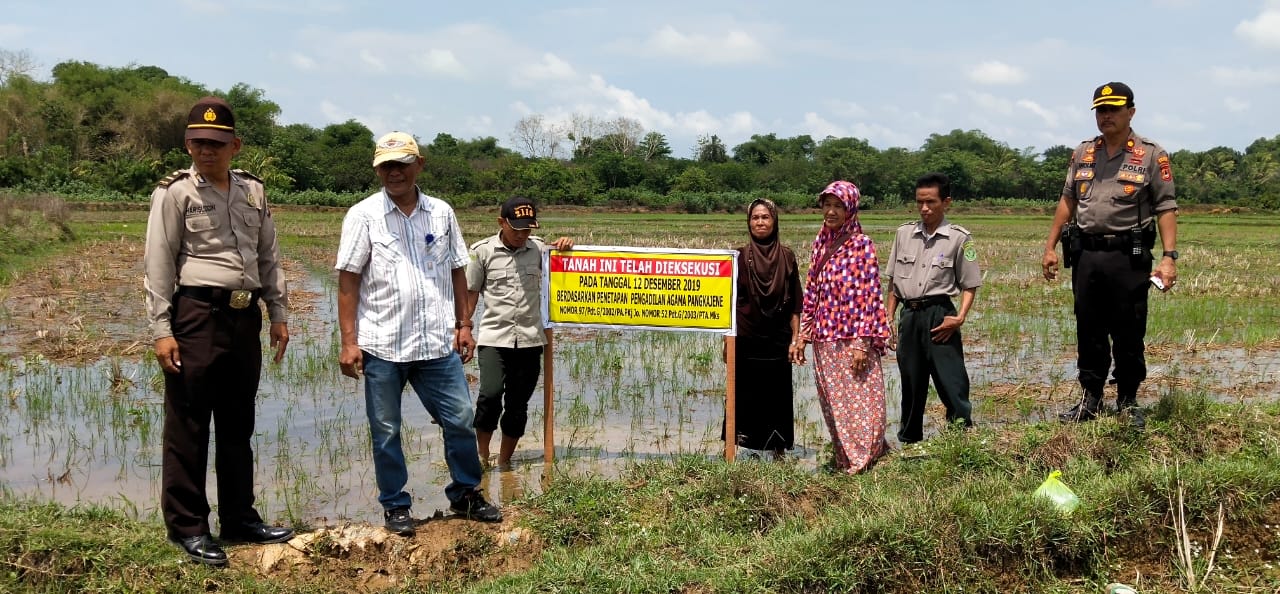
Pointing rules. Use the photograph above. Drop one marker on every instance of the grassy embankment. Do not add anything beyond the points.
(959, 520)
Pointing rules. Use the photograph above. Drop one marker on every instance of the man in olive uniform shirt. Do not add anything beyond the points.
(931, 261)
(210, 257)
(506, 269)
(1119, 190)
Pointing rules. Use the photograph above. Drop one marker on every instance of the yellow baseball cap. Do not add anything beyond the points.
(396, 146)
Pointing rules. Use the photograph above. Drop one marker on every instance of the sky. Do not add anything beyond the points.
(1204, 73)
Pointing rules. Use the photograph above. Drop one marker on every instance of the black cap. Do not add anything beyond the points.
(1113, 93)
(520, 213)
(211, 119)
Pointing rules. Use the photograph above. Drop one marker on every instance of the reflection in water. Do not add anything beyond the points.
(91, 433)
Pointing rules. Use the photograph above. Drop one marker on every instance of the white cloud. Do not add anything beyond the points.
(818, 127)
(734, 47)
(1050, 118)
(1235, 105)
(1243, 77)
(550, 69)
(996, 73)
(844, 109)
(1175, 123)
(990, 103)
(301, 61)
(438, 61)
(1264, 30)
(479, 125)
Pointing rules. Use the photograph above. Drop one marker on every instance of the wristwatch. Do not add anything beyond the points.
(1171, 254)
(459, 325)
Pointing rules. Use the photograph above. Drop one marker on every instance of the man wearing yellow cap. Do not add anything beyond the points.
(402, 292)
(1118, 192)
(210, 258)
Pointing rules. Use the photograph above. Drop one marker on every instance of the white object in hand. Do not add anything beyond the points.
(1159, 284)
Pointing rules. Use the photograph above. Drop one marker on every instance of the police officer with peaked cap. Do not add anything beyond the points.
(210, 258)
(1118, 192)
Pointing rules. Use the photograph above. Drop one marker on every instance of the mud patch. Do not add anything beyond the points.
(446, 550)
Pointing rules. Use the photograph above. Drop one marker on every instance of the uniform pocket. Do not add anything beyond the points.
(252, 219)
(501, 283)
(905, 266)
(201, 224)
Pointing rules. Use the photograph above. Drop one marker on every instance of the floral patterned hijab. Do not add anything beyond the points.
(843, 299)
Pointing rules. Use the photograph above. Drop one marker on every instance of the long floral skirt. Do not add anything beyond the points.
(853, 405)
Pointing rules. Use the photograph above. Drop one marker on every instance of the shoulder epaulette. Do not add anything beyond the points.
(961, 229)
(907, 223)
(173, 177)
(243, 173)
(480, 243)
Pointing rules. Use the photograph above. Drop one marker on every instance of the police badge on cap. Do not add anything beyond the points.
(1113, 93)
(520, 213)
(211, 119)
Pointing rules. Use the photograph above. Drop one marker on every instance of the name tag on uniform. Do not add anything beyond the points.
(240, 299)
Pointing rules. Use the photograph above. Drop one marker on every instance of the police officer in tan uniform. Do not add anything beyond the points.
(1118, 192)
(210, 258)
(932, 260)
(506, 269)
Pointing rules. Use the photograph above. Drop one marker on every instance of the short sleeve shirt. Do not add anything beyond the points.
(405, 262)
(943, 264)
(510, 283)
(198, 236)
(1117, 193)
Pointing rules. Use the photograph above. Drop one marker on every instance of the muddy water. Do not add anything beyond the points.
(91, 433)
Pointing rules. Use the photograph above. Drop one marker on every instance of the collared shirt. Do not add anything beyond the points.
(197, 236)
(510, 282)
(1118, 193)
(405, 263)
(944, 263)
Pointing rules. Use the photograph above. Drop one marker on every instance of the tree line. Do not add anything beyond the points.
(93, 128)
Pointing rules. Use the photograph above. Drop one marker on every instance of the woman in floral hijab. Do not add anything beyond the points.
(844, 318)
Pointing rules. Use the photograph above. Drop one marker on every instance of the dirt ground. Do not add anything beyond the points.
(364, 558)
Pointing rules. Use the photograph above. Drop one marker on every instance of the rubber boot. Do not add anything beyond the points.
(1127, 406)
(1088, 409)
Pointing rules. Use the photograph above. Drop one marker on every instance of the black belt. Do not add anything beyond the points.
(233, 298)
(924, 302)
(1105, 243)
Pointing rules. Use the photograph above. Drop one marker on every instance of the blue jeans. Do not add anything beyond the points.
(441, 385)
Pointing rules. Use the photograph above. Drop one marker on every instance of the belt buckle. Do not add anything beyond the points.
(240, 298)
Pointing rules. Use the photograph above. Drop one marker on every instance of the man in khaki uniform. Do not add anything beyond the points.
(931, 261)
(210, 257)
(506, 269)
(1119, 190)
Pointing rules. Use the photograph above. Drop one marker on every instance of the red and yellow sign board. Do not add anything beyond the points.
(643, 288)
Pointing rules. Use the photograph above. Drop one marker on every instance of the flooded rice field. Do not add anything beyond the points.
(81, 400)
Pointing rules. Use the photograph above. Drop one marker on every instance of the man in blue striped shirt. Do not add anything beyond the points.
(402, 290)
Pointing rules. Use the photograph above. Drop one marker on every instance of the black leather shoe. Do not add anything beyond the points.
(202, 549)
(1128, 408)
(399, 521)
(257, 533)
(1087, 409)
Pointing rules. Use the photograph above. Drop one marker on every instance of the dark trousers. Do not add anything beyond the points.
(507, 379)
(920, 358)
(221, 353)
(1111, 318)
